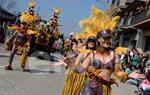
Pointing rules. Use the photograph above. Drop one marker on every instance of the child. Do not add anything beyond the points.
(144, 86)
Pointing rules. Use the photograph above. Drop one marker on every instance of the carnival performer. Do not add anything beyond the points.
(102, 63)
(72, 52)
(54, 20)
(21, 44)
(74, 82)
(52, 31)
(21, 38)
(67, 47)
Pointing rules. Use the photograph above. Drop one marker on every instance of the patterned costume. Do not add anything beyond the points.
(94, 85)
(21, 38)
(75, 83)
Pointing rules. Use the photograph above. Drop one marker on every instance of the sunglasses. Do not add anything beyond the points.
(107, 38)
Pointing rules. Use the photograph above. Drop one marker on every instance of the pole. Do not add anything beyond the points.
(38, 11)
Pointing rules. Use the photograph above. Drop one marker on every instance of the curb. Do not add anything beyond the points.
(4, 55)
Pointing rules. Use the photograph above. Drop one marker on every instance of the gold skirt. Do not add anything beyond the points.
(73, 83)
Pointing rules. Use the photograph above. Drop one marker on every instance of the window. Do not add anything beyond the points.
(122, 21)
(147, 45)
(113, 2)
(126, 42)
(117, 2)
(129, 21)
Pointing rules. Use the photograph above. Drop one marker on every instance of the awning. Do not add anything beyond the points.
(141, 25)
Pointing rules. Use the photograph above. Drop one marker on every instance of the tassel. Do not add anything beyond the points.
(23, 59)
(73, 83)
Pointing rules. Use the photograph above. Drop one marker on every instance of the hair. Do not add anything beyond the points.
(94, 48)
(80, 40)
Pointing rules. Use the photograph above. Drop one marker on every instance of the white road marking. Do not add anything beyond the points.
(1, 67)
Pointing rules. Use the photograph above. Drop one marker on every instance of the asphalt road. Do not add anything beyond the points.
(41, 79)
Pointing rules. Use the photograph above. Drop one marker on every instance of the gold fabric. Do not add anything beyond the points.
(73, 83)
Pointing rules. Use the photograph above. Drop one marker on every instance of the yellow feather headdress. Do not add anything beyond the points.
(57, 10)
(32, 4)
(97, 21)
(27, 18)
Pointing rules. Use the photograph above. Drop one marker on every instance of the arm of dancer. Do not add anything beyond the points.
(61, 62)
(81, 68)
(75, 54)
(78, 59)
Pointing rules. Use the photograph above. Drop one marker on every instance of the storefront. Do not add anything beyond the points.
(5, 18)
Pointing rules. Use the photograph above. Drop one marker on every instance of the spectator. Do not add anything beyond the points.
(144, 86)
(136, 59)
(1, 34)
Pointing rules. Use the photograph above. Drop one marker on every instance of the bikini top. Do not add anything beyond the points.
(98, 64)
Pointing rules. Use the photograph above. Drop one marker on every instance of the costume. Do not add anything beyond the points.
(75, 83)
(21, 38)
(52, 29)
(101, 25)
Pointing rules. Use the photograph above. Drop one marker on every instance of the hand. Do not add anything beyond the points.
(56, 64)
(64, 58)
(59, 63)
(136, 75)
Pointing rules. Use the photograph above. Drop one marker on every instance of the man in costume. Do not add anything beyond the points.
(21, 37)
(21, 44)
(52, 29)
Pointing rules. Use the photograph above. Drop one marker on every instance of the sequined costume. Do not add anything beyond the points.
(95, 85)
(96, 24)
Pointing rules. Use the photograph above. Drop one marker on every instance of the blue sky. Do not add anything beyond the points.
(72, 11)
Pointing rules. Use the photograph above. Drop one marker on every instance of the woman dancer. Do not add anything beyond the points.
(74, 82)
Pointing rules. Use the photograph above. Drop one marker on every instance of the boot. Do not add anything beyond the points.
(9, 67)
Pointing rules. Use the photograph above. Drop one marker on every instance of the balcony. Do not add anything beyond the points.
(129, 2)
(120, 11)
(141, 20)
(133, 4)
(130, 5)
(4, 15)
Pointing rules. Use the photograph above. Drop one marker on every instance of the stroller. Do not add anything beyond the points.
(143, 87)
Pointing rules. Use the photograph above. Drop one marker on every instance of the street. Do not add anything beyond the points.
(41, 79)
(107, 37)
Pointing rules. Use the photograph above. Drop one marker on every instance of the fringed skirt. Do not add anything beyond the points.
(73, 83)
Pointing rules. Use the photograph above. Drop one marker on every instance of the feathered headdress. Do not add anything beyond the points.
(97, 21)
(57, 10)
(32, 4)
(27, 18)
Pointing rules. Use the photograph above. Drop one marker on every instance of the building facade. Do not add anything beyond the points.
(134, 25)
(5, 18)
